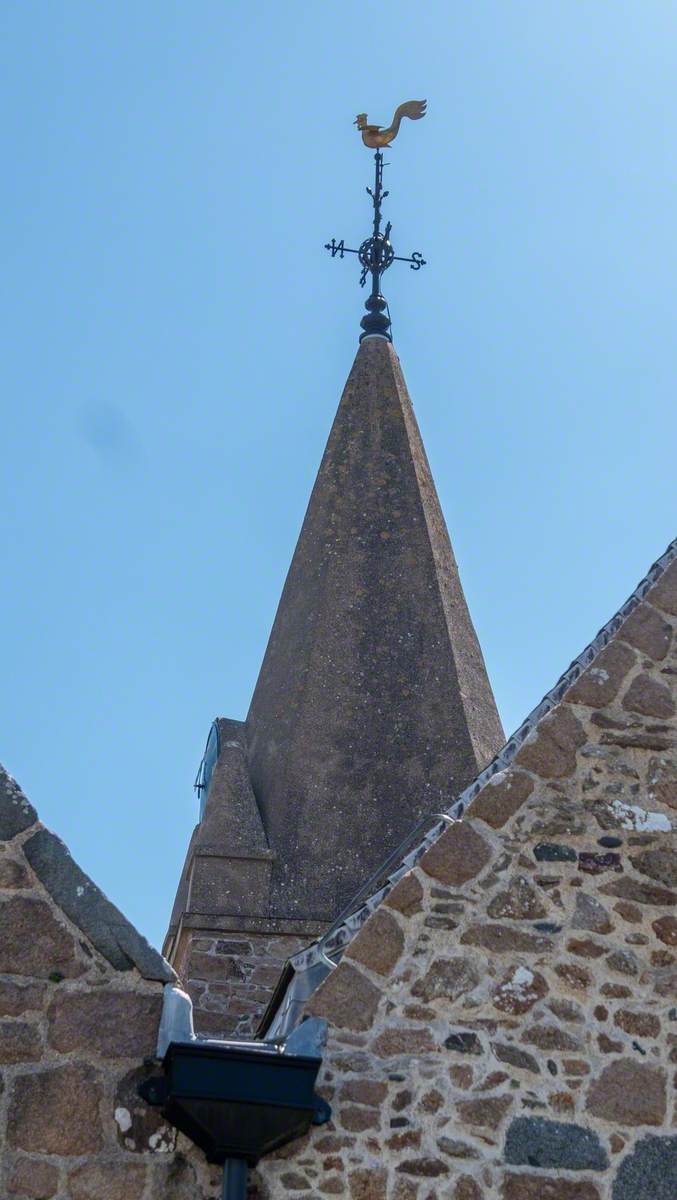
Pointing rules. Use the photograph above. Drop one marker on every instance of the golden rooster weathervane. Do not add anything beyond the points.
(376, 252)
(375, 136)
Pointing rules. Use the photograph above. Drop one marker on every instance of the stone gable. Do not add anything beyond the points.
(504, 1026)
(80, 1001)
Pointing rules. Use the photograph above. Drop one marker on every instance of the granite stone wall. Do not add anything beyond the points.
(80, 1001)
(231, 978)
(504, 1026)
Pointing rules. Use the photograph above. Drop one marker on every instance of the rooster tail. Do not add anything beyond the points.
(414, 109)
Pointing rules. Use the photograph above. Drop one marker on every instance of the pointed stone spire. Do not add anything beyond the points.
(373, 707)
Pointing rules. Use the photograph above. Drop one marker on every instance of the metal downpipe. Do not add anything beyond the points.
(235, 1173)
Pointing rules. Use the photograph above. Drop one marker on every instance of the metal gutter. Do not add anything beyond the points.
(236, 1100)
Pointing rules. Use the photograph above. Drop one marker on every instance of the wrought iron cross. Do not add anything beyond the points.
(376, 254)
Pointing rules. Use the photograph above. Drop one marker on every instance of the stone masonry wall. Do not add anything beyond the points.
(505, 1024)
(75, 1034)
(231, 978)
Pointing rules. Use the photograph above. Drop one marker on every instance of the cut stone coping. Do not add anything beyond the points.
(81, 900)
(75, 893)
(16, 812)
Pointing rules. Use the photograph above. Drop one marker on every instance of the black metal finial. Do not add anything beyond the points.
(376, 254)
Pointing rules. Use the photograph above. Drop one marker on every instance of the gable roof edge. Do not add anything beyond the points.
(73, 892)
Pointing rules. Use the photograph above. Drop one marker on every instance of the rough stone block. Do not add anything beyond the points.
(455, 1148)
(423, 1168)
(501, 798)
(177, 1179)
(591, 915)
(662, 780)
(19, 1042)
(566, 1010)
(539, 1187)
(552, 1145)
(447, 979)
(665, 982)
(13, 874)
(215, 968)
(487, 1112)
(106, 1023)
(515, 1057)
(457, 856)
(623, 961)
(649, 697)
(640, 893)
(239, 949)
(405, 1189)
(629, 1093)
(594, 863)
(33, 1179)
(646, 629)
(503, 939)
(659, 864)
(399, 1041)
(554, 852)
(356, 1119)
(331, 1185)
(294, 1181)
(551, 750)
(19, 998)
(463, 1043)
(629, 912)
(585, 948)
(665, 929)
(379, 943)
(550, 1037)
(650, 1170)
(664, 593)
(365, 1091)
(347, 999)
(573, 974)
(112, 1180)
(265, 975)
(33, 942)
(467, 1188)
(519, 990)
(368, 1184)
(638, 741)
(407, 895)
(600, 682)
(638, 1024)
(56, 1111)
(520, 902)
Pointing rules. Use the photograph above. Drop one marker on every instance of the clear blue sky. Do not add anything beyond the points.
(175, 340)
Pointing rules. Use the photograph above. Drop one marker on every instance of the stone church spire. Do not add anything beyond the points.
(373, 706)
